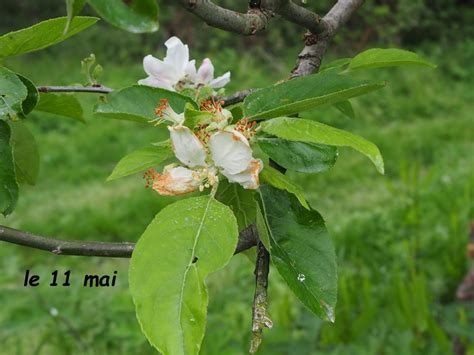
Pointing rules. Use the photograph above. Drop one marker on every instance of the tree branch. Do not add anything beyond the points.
(260, 318)
(237, 97)
(92, 89)
(228, 100)
(310, 58)
(253, 21)
(247, 239)
(297, 14)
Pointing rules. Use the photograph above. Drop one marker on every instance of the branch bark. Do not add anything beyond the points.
(235, 98)
(296, 14)
(310, 58)
(255, 20)
(260, 318)
(92, 89)
(228, 100)
(247, 239)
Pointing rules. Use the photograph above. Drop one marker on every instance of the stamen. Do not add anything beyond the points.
(150, 175)
(248, 129)
(210, 105)
(162, 106)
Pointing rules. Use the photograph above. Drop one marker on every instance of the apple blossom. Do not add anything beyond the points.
(230, 151)
(176, 72)
(188, 149)
(249, 177)
(175, 181)
(167, 73)
(215, 146)
(204, 76)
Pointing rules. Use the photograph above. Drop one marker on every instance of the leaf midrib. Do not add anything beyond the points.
(282, 251)
(183, 282)
(374, 86)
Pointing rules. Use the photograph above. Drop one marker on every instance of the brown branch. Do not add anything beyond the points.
(228, 100)
(310, 58)
(296, 14)
(92, 89)
(237, 97)
(66, 247)
(260, 318)
(255, 20)
(247, 239)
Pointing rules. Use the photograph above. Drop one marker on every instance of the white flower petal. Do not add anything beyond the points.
(190, 70)
(175, 181)
(205, 72)
(249, 177)
(230, 151)
(177, 55)
(220, 81)
(156, 83)
(160, 70)
(187, 147)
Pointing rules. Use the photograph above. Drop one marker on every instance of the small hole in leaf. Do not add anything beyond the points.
(195, 259)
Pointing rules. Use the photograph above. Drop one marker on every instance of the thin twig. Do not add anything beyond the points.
(91, 89)
(237, 97)
(260, 318)
(247, 239)
(228, 100)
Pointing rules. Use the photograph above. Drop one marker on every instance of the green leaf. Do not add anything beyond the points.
(186, 241)
(302, 251)
(137, 103)
(141, 160)
(280, 181)
(12, 94)
(64, 105)
(301, 130)
(345, 107)
(305, 93)
(32, 97)
(42, 35)
(387, 57)
(237, 112)
(262, 228)
(299, 156)
(241, 202)
(194, 117)
(136, 16)
(8, 184)
(25, 153)
(73, 8)
(335, 66)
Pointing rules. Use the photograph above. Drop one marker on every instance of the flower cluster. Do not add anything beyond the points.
(176, 72)
(214, 146)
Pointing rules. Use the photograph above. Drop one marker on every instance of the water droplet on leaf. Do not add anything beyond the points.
(329, 312)
(301, 277)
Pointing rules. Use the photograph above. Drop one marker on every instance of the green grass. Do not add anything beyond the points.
(400, 238)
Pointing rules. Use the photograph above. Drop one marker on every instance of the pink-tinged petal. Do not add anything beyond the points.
(205, 72)
(191, 70)
(177, 55)
(248, 178)
(156, 83)
(175, 181)
(230, 151)
(159, 69)
(220, 81)
(188, 149)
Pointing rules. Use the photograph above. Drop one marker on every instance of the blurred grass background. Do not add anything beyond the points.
(400, 238)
